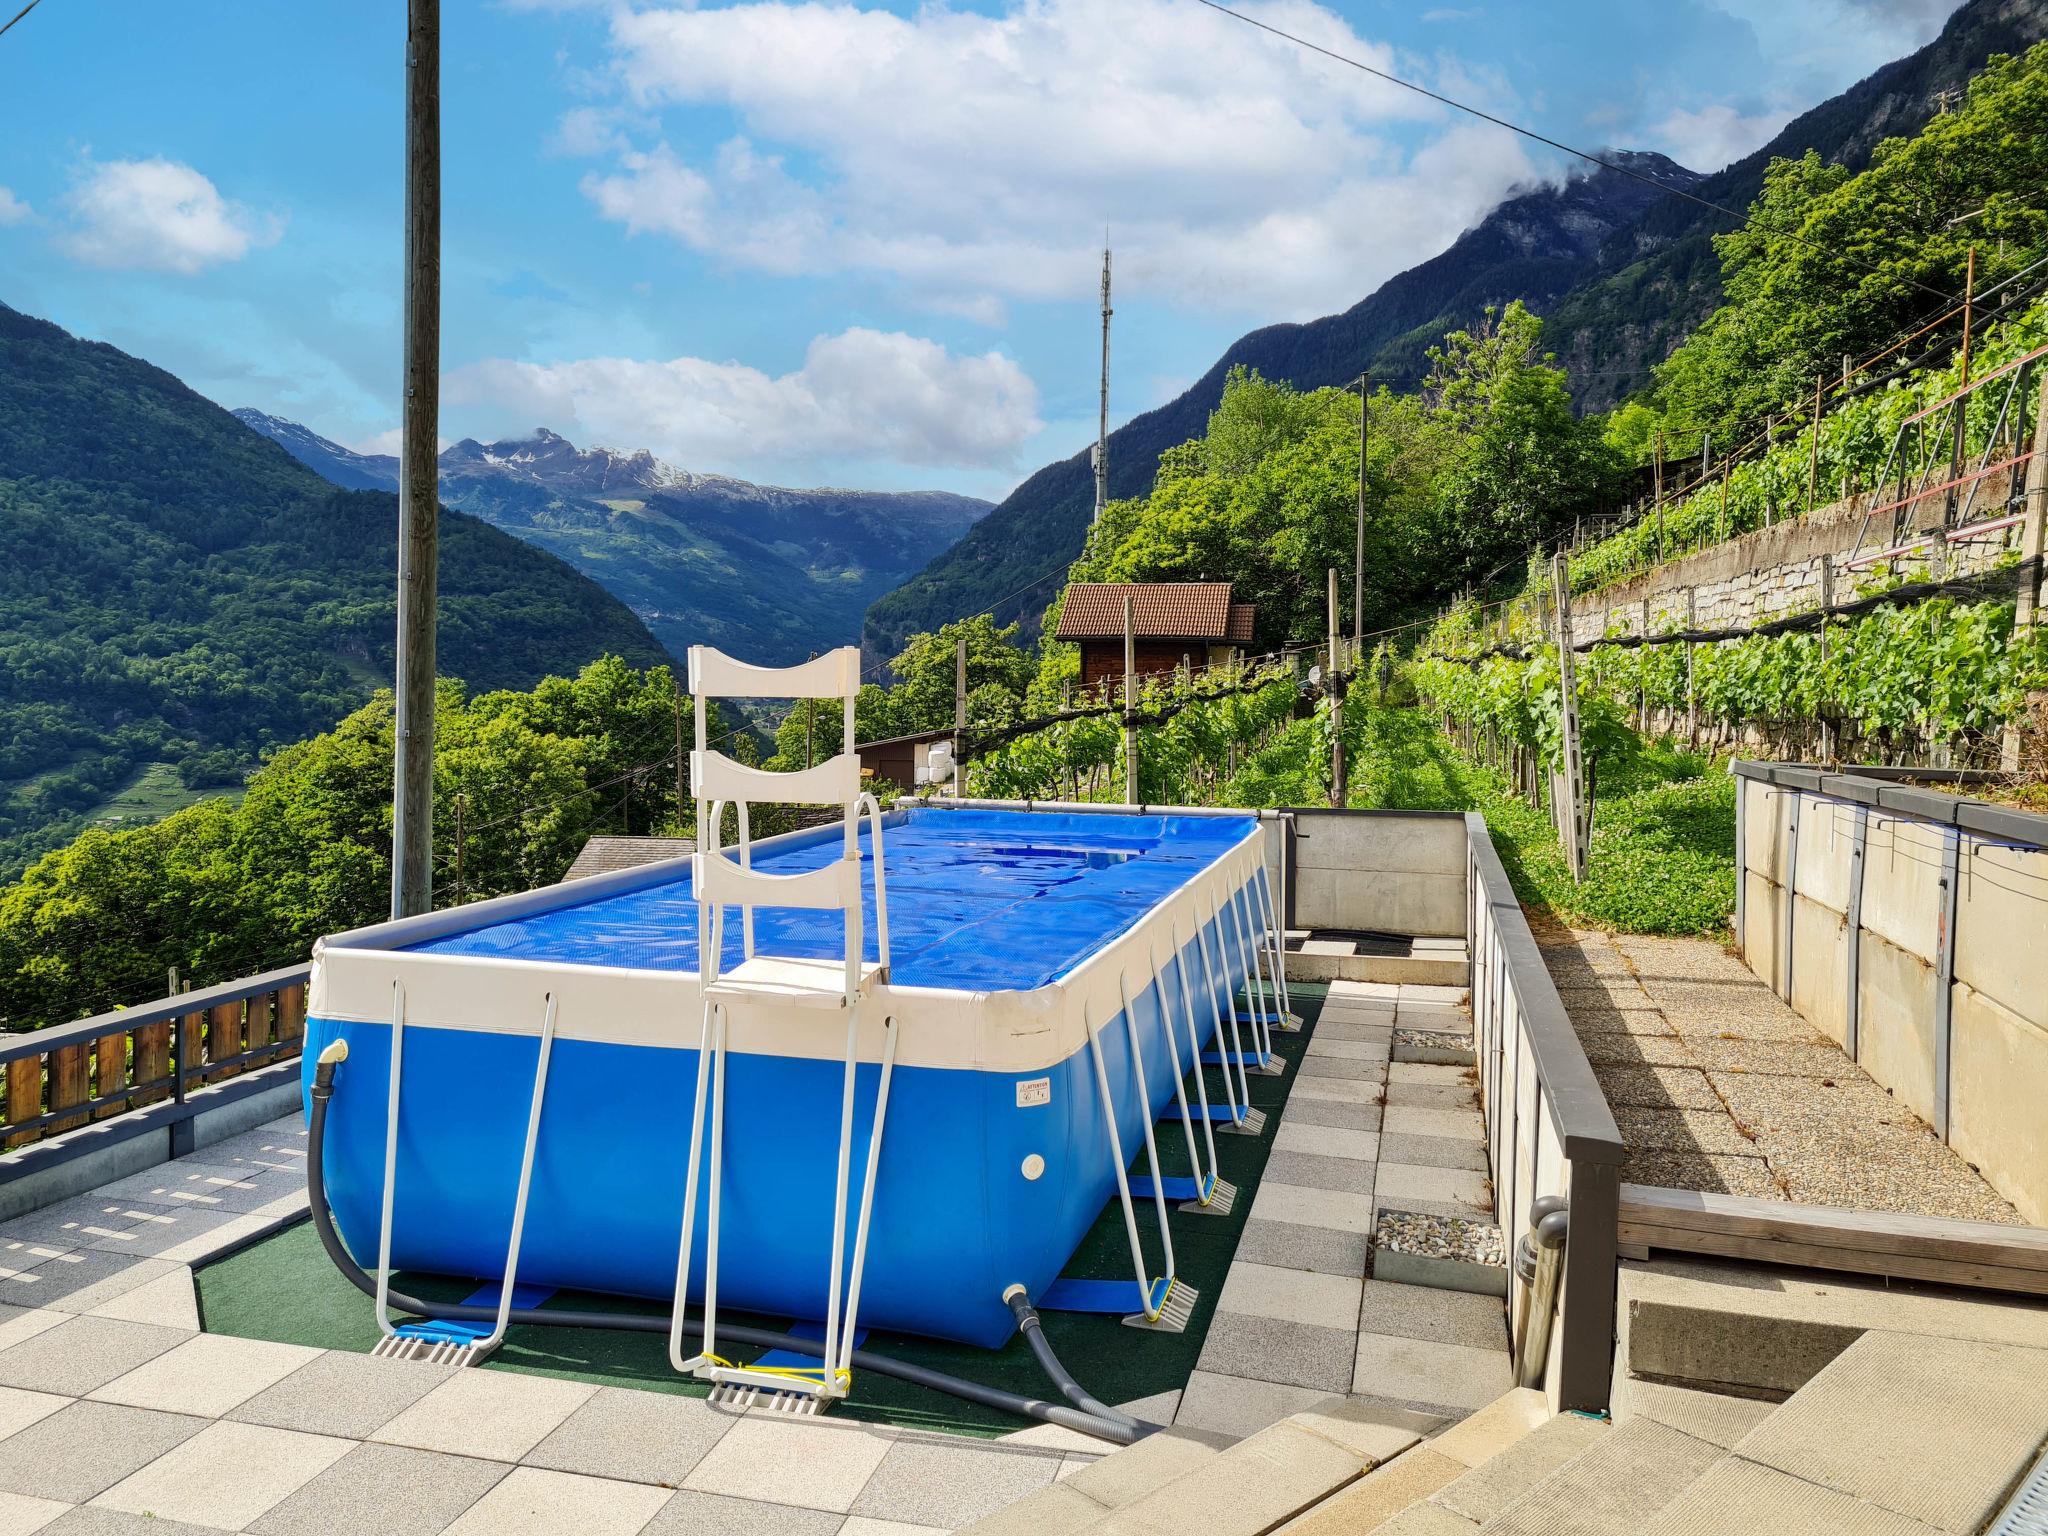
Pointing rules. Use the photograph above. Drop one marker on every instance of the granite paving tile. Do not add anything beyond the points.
(1428, 1072)
(925, 1481)
(21, 1515)
(1424, 1312)
(1332, 1048)
(861, 1525)
(1232, 1407)
(1788, 1058)
(79, 1452)
(1326, 1140)
(1292, 1295)
(89, 1520)
(1350, 1117)
(383, 1490)
(1434, 1151)
(1310, 1170)
(689, 1513)
(531, 1501)
(1460, 1096)
(1271, 1349)
(209, 1373)
(19, 1323)
(339, 1393)
(637, 1436)
(500, 1415)
(80, 1280)
(277, 1145)
(1303, 1207)
(75, 1223)
(19, 1409)
(1358, 1027)
(225, 1476)
(1408, 1120)
(1429, 1372)
(82, 1353)
(1457, 1185)
(1341, 1067)
(207, 1186)
(169, 1301)
(817, 1465)
(1335, 1090)
(1291, 1245)
(166, 1232)
(1636, 1050)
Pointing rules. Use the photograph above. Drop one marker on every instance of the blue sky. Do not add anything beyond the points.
(816, 243)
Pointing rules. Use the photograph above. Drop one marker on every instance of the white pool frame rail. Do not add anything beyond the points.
(719, 881)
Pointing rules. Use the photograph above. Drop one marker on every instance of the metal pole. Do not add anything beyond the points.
(811, 718)
(682, 762)
(461, 807)
(1571, 818)
(1358, 553)
(2026, 614)
(959, 709)
(1335, 683)
(1961, 448)
(1102, 416)
(1813, 448)
(1130, 697)
(419, 500)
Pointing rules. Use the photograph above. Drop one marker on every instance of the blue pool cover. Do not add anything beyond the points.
(978, 900)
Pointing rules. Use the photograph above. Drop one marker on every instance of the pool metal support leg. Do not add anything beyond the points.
(1205, 1194)
(1277, 937)
(441, 1343)
(1242, 1119)
(1252, 980)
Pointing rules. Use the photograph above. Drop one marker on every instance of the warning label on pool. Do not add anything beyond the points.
(1034, 1090)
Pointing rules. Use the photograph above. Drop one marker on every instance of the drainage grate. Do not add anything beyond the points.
(2026, 1512)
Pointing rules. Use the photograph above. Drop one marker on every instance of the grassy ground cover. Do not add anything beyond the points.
(284, 1289)
(1663, 854)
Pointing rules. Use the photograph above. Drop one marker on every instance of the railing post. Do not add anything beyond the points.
(24, 1092)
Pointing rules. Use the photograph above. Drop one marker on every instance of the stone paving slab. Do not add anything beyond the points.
(1658, 1087)
(531, 1501)
(1326, 1140)
(83, 1279)
(209, 1373)
(80, 1451)
(1273, 1349)
(633, 1436)
(818, 1465)
(1697, 1170)
(1300, 1247)
(1424, 1312)
(929, 1481)
(225, 1476)
(1291, 1295)
(1434, 1151)
(383, 1490)
(1728, 1494)
(688, 1513)
(496, 1414)
(1399, 1181)
(1285, 1203)
(337, 1393)
(82, 1353)
(1453, 1378)
(1314, 1171)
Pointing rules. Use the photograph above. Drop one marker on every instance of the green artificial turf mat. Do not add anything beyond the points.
(285, 1289)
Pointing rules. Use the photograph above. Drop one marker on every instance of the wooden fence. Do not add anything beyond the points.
(69, 1075)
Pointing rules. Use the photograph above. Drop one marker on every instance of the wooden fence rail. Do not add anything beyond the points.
(68, 1075)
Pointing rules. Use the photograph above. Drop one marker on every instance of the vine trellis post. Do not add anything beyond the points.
(2026, 614)
(1568, 799)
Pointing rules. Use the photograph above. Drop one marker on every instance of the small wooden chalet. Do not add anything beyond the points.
(1172, 621)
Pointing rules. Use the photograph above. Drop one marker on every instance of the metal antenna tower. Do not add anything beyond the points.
(1101, 454)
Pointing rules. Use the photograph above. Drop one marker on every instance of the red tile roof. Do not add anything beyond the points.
(1240, 630)
(1160, 610)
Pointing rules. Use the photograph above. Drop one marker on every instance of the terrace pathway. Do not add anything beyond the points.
(1717, 1085)
(1301, 1317)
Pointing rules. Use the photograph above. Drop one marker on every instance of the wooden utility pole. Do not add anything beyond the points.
(959, 710)
(1101, 455)
(1657, 451)
(419, 491)
(1334, 681)
(682, 761)
(811, 720)
(1130, 705)
(461, 807)
(1827, 607)
(1358, 553)
(1962, 447)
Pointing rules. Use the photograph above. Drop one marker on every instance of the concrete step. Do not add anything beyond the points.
(1612, 1487)
(1439, 1047)
(1429, 962)
(1266, 1479)
(1747, 1331)
(1369, 1504)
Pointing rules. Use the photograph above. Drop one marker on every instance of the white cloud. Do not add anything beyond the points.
(976, 159)
(1714, 136)
(161, 215)
(12, 209)
(861, 396)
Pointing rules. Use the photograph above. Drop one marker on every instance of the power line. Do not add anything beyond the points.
(32, 4)
(1530, 133)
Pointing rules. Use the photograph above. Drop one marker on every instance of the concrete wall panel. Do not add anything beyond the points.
(1896, 1023)
(2002, 930)
(1827, 835)
(1761, 921)
(1433, 845)
(1767, 826)
(1902, 882)
(1820, 966)
(1421, 905)
(1996, 1106)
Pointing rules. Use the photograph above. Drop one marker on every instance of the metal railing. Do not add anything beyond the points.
(65, 1076)
(1549, 1134)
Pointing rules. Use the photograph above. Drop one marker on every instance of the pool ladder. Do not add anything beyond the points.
(781, 982)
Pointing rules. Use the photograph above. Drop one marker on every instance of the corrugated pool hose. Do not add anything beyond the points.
(1087, 1416)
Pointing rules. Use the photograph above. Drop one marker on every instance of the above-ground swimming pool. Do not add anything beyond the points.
(1012, 935)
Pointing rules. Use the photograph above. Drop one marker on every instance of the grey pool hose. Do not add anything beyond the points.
(1088, 1416)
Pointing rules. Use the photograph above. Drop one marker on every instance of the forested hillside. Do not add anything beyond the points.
(1616, 302)
(176, 590)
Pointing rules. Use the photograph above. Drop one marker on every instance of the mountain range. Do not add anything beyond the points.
(179, 595)
(764, 572)
(1621, 269)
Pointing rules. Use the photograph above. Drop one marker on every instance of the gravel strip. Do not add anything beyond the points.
(1439, 1237)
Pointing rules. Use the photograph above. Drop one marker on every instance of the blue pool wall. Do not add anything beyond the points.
(955, 1222)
